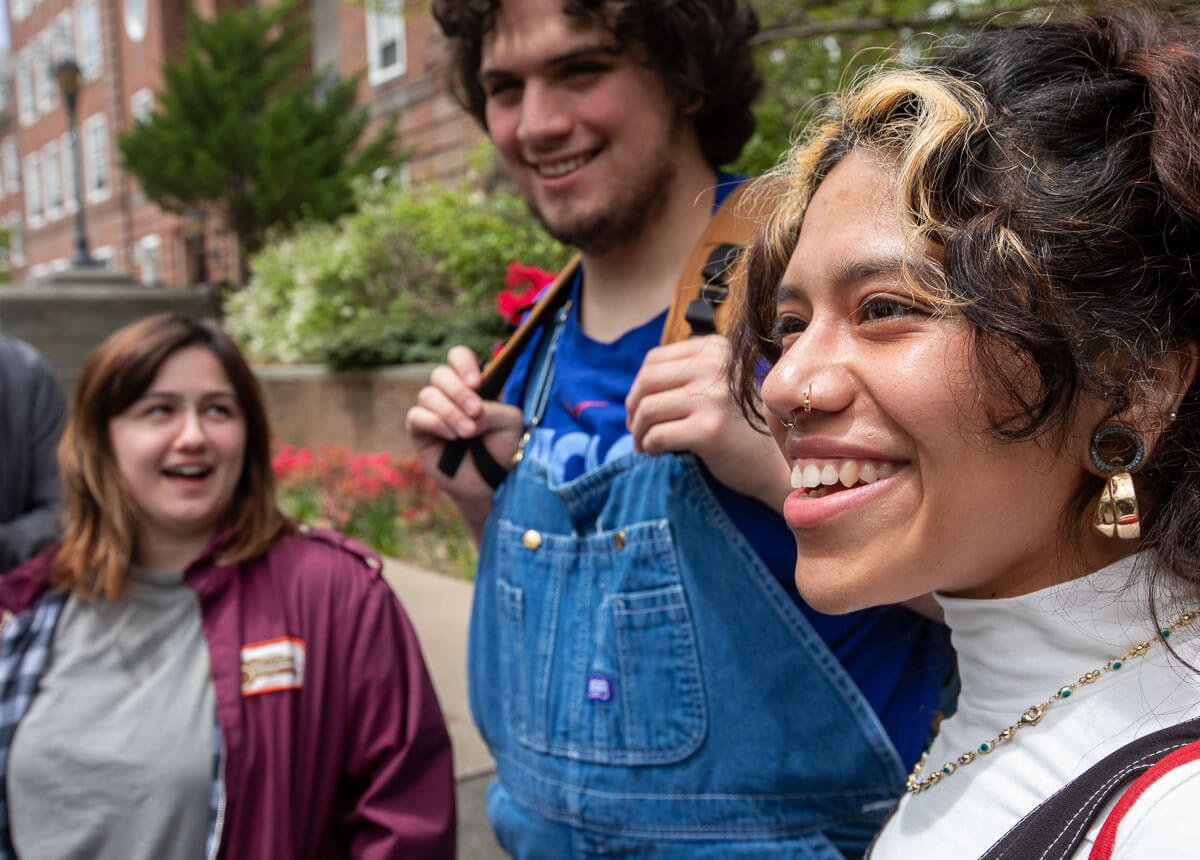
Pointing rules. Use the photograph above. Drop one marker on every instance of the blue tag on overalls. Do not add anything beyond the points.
(599, 688)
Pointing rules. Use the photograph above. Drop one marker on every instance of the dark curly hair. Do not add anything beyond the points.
(700, 48)
(1056, 167)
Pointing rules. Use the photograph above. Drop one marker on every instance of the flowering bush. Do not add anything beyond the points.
(387, 502)
(413, 272)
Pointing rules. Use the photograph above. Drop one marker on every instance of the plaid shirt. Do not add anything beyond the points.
(24, 652)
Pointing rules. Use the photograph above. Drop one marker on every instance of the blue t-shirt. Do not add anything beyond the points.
(899, 660)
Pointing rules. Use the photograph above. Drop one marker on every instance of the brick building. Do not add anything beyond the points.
(120, 46)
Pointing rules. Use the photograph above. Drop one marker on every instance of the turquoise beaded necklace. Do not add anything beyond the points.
(1033, 714)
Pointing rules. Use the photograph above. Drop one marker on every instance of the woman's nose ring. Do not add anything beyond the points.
(807, 407)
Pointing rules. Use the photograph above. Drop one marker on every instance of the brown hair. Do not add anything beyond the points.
(700, 48)
(1056, 168)
(100, 517)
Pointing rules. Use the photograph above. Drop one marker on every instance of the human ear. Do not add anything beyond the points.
(1156, 402)
(1173, 378)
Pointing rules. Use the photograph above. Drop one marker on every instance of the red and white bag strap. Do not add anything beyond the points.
(1103, 846)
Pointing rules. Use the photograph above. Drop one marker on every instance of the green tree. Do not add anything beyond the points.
(246, 132)
(806, 49)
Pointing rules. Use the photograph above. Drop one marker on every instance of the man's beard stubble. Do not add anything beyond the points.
(622, 221)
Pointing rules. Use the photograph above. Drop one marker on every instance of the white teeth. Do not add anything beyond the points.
(817, 475)
(562, 168)
(190, 471)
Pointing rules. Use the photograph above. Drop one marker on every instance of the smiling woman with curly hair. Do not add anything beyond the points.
(977, 306)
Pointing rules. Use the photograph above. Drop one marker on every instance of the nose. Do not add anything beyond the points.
(191, 433)
(812, 373)
(544, 117)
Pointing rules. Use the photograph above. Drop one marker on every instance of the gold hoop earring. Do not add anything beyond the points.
(1117, 510)
(808, 399)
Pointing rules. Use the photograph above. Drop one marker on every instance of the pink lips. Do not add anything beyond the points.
(802, 511)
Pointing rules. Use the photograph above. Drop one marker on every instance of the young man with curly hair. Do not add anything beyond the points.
(640, 664)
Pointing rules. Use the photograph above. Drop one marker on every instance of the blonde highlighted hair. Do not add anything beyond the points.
(1052, 172)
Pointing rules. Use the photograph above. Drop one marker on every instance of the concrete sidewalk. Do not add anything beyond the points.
(439, 607)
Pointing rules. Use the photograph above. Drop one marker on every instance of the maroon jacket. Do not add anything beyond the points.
(333, 742)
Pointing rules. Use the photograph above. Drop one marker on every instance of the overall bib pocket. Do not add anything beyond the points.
(599, 660)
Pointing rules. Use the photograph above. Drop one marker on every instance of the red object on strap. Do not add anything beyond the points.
(1103, 847)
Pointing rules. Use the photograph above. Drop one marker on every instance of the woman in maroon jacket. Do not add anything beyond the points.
(187, 675)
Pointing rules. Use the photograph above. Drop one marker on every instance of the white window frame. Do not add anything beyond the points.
(88, 39)
(149, 248)
(16, 242)
(44, 85)
(33, 190)
(51, 181)
(62, 39)
(19, 10)
(26, 101)
(10, 165)
(96, 154)
(137, 17)
(385, 21)
(68, 173)
(6, 93)
(141, 104)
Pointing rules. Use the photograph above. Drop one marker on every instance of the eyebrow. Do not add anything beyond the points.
(583, 52)
(175, 395)
(849, 273)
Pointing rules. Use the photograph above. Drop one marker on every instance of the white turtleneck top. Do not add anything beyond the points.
(1017, 652)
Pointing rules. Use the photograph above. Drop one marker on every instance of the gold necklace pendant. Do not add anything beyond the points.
(1032, 715)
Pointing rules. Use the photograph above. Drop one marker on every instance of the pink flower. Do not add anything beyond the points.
(283, 461)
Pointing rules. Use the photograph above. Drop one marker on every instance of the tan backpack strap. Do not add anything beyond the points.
(730, 228)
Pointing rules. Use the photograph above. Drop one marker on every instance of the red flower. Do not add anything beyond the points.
(525, 283)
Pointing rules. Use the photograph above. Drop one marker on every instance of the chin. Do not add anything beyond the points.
(831, 601)
(833, 593)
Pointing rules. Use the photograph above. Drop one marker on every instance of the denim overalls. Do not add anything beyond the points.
(647, 687)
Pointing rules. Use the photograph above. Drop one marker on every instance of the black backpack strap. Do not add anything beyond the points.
(489, 468)
(497, 371)
(1054, 830)
(701, 311)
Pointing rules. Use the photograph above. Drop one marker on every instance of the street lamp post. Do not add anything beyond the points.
(67, 74)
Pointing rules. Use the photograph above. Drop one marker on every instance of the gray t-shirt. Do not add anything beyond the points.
(114, 759)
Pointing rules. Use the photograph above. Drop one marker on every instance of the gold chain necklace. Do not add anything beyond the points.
(1033, 715)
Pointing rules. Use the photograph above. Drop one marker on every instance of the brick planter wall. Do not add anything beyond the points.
(362, 409)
